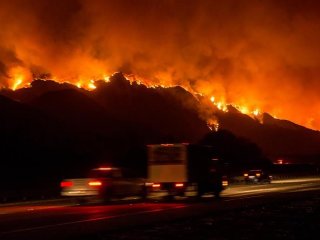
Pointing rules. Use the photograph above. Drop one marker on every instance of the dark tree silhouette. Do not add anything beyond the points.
(235, 151)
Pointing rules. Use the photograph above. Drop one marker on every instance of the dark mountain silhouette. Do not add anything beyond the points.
(31, 144)
(128, 113)
(119, 114)
(71, 107)
(37, 88)
(150, 109)
(237, 152)
(277, 138)
(64, 126)
(50, 131)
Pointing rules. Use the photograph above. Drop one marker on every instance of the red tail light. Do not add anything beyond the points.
(66, 184)
(179, 185)
(105, 168)
(156, 185)
(95, 183)
(225, 183)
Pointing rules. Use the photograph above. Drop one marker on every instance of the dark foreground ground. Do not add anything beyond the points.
(290, 219)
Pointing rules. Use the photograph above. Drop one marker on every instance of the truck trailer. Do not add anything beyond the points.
(184, 170)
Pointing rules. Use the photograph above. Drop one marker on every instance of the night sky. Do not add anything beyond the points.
(256, 53)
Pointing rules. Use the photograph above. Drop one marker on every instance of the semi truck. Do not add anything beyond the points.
(184, 170)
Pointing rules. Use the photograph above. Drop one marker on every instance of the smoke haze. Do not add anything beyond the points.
(259, 54)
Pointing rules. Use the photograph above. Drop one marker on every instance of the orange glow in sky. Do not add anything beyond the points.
(259, 56)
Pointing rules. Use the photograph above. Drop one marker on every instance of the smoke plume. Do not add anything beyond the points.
(259, 54)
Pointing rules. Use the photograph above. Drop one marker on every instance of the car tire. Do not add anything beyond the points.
(107, 196)
(81, 201)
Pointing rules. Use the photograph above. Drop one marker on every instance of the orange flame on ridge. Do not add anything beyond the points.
(21, 76)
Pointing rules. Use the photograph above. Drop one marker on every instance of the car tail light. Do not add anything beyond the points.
(105, 168)
(156, 185)
(95, 183)
(225, 183)
(66, 184)
(179, 185)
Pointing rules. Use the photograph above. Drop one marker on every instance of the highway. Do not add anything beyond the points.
(57, 219)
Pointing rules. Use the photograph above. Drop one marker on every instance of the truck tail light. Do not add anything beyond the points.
(246, 174)
(179, 185)
(66, 184)
(156, 185)
(95, 183)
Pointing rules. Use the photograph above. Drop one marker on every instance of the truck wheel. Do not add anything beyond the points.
(169, 197)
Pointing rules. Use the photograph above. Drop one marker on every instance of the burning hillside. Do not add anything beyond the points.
(131, 112)
(259, 56)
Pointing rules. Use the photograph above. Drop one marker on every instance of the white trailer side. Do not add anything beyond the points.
(167, 163)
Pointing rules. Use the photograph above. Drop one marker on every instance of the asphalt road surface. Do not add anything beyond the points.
(65, 220)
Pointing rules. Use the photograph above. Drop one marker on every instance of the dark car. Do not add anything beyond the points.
(257, 176)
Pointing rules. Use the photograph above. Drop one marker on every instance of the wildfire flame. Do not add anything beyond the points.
(19, 75)
(229, 50)
(213, 124)
(17, 83)
(220, 105)
(91, 85)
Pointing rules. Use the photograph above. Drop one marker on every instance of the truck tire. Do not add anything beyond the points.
(169, 197)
